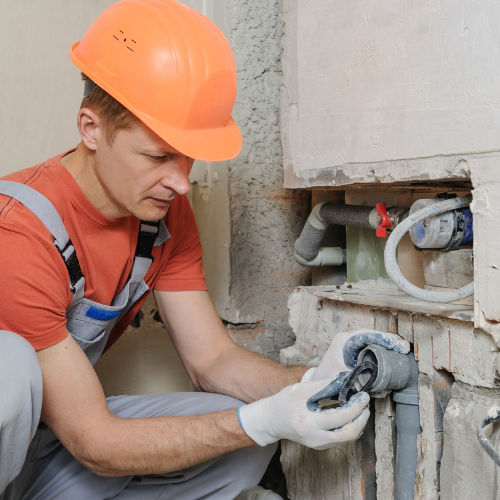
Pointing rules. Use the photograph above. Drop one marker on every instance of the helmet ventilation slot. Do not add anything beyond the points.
(125, 40)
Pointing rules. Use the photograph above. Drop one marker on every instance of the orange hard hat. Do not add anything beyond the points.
(172, 68)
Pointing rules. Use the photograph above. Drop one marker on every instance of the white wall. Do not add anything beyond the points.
(377, 81)
(40, 87)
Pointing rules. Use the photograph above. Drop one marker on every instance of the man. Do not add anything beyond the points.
(84, 238)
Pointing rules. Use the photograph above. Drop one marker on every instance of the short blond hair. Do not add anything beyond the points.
(114, 115)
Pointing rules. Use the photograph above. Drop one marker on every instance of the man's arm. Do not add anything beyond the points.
(75, 409)
(212, 359)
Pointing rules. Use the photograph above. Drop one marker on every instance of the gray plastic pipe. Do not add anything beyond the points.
(391, 264)
(307, 247)
(399, 372)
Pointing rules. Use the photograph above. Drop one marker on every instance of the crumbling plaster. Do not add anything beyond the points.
(401, 94)
(247, 221)
(265, 218)
(453, 356)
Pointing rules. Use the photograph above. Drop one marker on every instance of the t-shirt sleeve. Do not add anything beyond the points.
(183, 270)
(34, 293)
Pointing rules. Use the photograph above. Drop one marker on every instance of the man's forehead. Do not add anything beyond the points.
(158, 150)
(150, 143)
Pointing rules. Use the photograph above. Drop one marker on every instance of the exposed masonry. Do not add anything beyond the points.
(376, 97)
(458, 382)
(265, 218)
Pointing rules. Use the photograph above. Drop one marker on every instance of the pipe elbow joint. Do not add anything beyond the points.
(315, 219)
(327, 256)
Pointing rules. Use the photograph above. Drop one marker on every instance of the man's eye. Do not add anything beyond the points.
(158, 158)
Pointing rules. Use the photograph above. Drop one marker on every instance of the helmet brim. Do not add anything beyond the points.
(210, 144)
(216, 144)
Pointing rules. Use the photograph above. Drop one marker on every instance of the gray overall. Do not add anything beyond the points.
(44, 468)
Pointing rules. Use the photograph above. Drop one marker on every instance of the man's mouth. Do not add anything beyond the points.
(161, 202)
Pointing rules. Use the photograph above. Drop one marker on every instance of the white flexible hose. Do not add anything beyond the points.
(391, 264)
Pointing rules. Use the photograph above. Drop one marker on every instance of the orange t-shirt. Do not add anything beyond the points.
(34, 282)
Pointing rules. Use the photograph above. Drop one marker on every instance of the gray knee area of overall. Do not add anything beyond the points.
(21, 403)
(19, 368)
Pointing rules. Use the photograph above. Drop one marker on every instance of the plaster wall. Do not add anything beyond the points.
(247, 221)
(41, 88)
(401, 87)
(265, 218)
(366, 82)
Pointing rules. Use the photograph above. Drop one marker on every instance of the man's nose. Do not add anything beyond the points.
(176, 176)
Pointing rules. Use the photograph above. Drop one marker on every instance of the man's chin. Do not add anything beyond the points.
(151, 214)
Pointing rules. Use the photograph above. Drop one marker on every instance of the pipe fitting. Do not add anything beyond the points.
(399, 372)
(327, 256)
(396, 372)
(307, 247)
(374, 219)
(315, 219)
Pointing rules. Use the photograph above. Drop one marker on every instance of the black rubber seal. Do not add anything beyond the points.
(349, 383)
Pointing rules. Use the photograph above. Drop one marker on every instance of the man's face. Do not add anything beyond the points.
(140, 173)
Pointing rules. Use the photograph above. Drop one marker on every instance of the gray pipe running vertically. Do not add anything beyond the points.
(408, 428)
(399, 372)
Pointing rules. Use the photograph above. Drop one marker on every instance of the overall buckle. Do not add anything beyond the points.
(148, 231)
(68, 254)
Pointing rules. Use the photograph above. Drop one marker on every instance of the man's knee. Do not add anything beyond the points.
(20, 375)
(20, 403)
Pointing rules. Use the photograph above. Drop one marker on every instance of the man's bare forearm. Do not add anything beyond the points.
(74, 407)
(247, 375)
(159, 445)
(213, 360)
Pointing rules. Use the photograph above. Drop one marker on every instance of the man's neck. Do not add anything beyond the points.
(80, 164)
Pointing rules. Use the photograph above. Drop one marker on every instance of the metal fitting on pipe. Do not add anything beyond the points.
(399, 372)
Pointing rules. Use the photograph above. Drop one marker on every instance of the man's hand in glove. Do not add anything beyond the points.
(286, 416)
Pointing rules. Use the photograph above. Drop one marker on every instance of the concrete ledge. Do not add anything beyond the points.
(390, 299)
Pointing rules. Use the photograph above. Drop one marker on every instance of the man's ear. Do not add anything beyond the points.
(90, 128)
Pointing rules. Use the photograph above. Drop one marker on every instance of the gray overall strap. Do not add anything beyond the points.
(49, 216)
(41, 207)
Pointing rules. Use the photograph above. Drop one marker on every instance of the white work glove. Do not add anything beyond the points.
(342, 355)
(285, 416)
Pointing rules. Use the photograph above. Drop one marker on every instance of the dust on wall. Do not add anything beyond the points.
(265, 218)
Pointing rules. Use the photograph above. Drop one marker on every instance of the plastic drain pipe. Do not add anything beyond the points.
(399, 372)
(391, 264)
(307, 247)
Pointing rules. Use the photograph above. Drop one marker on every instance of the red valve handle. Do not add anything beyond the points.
(385, 222)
